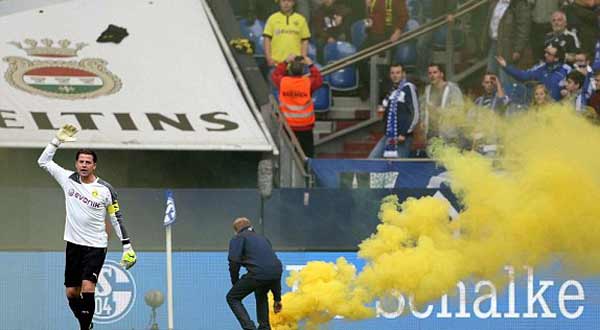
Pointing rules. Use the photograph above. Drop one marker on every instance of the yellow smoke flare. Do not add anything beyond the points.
(536, 203)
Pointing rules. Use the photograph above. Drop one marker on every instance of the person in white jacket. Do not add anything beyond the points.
(440, 95)
(88, 199)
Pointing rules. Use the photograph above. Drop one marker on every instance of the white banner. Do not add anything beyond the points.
(166, 85)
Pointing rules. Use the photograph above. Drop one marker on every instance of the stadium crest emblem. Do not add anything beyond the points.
(70, 80)
(115, 293)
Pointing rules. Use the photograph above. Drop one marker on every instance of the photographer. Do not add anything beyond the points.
(295, 97)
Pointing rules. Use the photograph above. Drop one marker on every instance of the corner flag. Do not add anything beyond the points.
(170, 213)
(169, 219)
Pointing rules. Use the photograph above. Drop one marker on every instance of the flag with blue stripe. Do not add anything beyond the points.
(170, 213)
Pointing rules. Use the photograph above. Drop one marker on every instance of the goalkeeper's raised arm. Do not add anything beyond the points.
(65, 134)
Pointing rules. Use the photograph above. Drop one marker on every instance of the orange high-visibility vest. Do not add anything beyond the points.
(295, 101)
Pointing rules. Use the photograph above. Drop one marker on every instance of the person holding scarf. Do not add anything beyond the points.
(400, 108)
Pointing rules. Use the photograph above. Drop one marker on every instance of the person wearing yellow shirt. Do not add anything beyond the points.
(286, 32)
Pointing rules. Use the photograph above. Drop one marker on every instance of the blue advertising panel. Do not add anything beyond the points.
(358, 173)
(32, 281)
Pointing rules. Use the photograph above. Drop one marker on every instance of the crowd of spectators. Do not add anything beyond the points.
(551, 48)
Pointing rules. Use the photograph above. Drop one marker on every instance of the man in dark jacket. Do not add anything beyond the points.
(254, 252)
(401, 115)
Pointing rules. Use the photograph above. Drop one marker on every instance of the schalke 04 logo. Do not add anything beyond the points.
(115, 293)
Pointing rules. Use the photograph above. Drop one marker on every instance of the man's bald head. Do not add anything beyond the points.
(240, 223)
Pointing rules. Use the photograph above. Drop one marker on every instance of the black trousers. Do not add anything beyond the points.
(306, 140)
(242, 288)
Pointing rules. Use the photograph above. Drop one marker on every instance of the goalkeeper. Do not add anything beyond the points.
(87, 200)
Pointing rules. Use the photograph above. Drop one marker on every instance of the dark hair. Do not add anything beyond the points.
(488, 73)
(296, 67)
(86, 152)
(584, 53)
(560, 51)
(440, 67)
(397, 64)
(577, 77)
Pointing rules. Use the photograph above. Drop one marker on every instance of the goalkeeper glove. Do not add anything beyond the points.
(66, 133)
(128, 259)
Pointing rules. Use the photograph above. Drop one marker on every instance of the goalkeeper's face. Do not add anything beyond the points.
(85, 165)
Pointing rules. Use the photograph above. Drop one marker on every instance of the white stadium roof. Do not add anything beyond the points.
(165, 86)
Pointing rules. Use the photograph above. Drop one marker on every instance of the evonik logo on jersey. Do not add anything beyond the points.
(115, 293)
(88, 201)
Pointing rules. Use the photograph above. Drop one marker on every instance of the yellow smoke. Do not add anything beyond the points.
(538, 201)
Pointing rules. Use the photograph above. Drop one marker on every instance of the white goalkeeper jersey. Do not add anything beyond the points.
(86, 205)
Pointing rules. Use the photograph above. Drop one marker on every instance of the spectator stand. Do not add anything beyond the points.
(355, 140)
(345, 79)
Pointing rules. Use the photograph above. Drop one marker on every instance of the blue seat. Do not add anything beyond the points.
(412, 24)
(338, 50)
(440, 35)
(346, 78)
(406, 54)
(252, 30)
(322, 98)
(358, 33)
(259, 47)
(312, 51)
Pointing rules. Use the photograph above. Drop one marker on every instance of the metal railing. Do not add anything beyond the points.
(292, 159)
(408, 36)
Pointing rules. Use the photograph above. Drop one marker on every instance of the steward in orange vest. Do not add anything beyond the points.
(295, 97)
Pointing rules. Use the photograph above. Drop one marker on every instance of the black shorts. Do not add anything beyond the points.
(82, 263)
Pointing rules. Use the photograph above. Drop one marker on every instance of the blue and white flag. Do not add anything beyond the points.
(170, 213)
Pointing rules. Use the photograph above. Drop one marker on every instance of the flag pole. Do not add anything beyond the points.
(169, 279)
(170, 216)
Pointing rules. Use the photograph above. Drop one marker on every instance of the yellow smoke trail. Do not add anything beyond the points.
(538, 202)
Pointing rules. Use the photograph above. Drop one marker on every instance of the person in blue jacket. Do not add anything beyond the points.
(253, 251)
(552, 72)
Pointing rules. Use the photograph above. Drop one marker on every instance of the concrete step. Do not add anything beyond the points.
(346, 107)
(348, 114)
(342, 124)
(322, 135)
(324, 126)
(352, 102)
(375, 135)
(359, 146)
